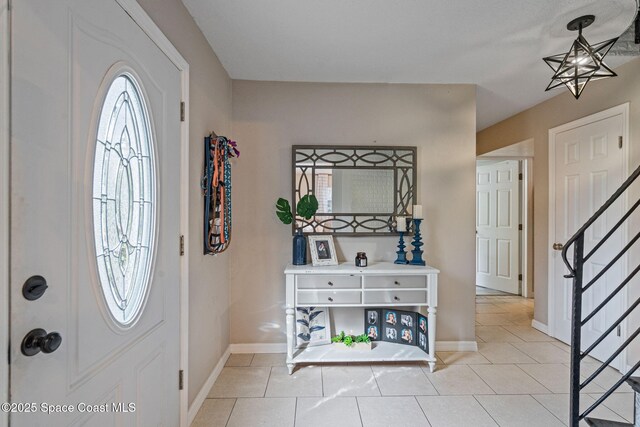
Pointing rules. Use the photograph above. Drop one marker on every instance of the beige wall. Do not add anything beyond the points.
(535, 123)
(268, 118)
(210, 109)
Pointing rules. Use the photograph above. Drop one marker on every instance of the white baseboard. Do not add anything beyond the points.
(540, 326)
(204, 391)
(282, 347)
(456, 346)
(276, 347)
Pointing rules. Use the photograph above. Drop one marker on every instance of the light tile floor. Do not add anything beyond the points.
(519, 377)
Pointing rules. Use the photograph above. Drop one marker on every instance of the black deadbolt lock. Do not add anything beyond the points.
(34, 287)
(39, 340)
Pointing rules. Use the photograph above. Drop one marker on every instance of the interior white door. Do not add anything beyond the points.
(497, 226)
(588, 170)
(95, 185)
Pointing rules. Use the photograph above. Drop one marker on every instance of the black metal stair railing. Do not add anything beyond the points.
(578, 322)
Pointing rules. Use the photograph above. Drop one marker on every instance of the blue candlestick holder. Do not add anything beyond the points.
(417, 244)
(402, 254)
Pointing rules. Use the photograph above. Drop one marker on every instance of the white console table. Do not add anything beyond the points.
(381, 284)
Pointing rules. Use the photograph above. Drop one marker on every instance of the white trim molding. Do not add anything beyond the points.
(282, 347)
(142, 19)
(5, 200)
(540, 326)
(206, 387)
(277, 347)
(456, 346)
(622, 110)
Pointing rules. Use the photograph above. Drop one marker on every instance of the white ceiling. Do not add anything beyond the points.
(495, 44)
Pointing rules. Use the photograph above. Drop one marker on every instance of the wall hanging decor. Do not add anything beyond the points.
(216, 189)
(361, 189)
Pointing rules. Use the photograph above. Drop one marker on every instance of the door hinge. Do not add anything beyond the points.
(520, 277)
(619, 331)
(182, 245)
(520, 227)
(180, 379)
(520, 177)
(620, 142)
(182, 113)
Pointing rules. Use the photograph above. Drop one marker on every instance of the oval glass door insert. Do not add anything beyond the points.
(124, 199)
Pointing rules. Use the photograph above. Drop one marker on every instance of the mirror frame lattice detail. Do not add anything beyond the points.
(402, 160)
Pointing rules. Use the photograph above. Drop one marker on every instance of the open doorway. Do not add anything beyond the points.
(498, 227)
(504, 235)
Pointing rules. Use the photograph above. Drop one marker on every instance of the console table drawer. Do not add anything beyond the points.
(395, 297)
(395, 282)
(328, 282)
(328, 297)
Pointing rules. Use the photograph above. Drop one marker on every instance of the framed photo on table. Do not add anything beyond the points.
(323, 250)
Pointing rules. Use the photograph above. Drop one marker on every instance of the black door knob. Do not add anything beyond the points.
(38, 340)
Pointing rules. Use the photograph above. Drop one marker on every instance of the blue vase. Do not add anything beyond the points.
(299, 248)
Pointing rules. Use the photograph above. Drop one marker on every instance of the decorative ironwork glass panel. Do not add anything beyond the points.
(124, 199)
(360, 189)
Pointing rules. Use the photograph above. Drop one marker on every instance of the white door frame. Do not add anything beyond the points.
(4, 205)
(157, 36)
(622, 109)
(527, 186)
(140, 17)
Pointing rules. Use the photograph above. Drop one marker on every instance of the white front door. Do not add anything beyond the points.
(95, 190)
(588, 170)
(497, 226)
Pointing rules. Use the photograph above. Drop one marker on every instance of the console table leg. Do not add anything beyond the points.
(290, 338)
(432, 337)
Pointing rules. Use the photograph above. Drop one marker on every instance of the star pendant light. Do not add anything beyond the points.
(582, 63)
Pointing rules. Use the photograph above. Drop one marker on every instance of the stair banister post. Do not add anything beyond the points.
(576, 325)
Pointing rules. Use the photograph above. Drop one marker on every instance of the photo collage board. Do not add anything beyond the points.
(397, 326)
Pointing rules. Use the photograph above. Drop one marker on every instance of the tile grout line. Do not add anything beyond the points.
(535, 362)
(422, 409)
(485, 409)
(547, 409)
(295, 412)
(359, 412)
(531, 376)
(429, 381)
(610, 408)
(376, 380)
(231, 412)
(483, 380)
(266, 387)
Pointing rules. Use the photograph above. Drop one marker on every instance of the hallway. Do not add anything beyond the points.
(518, 377)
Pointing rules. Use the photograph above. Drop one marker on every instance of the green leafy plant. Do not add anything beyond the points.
(363, 338)
(283, 210)
(338, 338)
(306, 208)
(350, 340)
